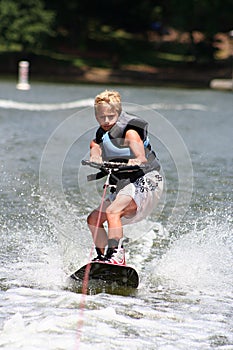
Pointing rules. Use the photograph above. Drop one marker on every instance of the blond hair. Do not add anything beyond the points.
(112, 98)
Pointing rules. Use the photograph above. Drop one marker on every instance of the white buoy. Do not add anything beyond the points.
(23, 76)
(222, 84)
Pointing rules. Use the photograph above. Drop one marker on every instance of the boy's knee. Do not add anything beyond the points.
(111, 213)
(91, 218)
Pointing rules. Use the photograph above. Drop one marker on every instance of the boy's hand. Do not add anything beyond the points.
(134, 162)
(96, 159)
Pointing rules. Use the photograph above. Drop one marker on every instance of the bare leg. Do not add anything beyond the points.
(100, 236)
(121, 206)
(112, 212)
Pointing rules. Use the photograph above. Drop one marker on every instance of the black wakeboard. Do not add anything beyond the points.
(113, 274)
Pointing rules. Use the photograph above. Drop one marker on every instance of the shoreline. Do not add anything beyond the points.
(140, 75)
(187, 77)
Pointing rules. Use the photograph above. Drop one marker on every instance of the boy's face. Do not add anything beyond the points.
(106, 116)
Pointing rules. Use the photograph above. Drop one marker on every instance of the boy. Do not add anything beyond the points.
(122, 137)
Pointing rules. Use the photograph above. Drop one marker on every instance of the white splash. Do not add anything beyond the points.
(9, 104)
(178, 107)
(200, 259)
(27, 106)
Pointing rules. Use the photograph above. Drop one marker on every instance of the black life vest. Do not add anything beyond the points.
(112, 141)
(113, 148)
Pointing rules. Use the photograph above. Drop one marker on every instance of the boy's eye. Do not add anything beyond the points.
(109, 117)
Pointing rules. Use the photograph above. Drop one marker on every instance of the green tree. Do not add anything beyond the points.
(78, 20)
(24, 24)
(207, 16)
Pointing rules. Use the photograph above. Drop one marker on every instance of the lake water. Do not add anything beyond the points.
(183, 252)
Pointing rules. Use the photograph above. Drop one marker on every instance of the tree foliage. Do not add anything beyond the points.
(74, 23)
(24, 23)
(207, 16)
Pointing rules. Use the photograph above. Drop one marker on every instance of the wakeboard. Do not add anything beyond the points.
(120, 275)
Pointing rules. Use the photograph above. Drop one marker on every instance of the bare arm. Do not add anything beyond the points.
(95, 152)
(133, 140)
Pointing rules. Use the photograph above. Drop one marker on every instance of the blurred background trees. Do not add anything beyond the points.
(123, 30)
(24, 24)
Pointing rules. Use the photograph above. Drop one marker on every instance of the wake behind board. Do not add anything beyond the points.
(109, 273)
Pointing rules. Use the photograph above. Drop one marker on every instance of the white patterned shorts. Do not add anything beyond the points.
(146, 192)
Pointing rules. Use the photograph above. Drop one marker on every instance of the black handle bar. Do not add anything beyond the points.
(117, 167)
